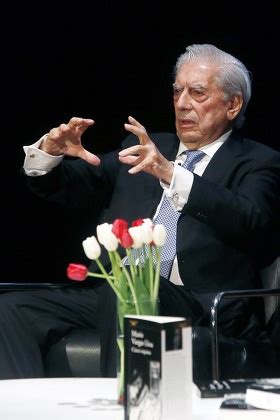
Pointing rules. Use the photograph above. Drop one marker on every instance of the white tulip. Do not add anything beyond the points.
(110, 241)
(147, 232)
(148, 222)
(92, 248)
(137, 236)
(159, 235)
(102, 231)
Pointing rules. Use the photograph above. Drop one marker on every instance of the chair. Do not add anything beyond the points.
(218, 357)
(263, 356)
(214, 357)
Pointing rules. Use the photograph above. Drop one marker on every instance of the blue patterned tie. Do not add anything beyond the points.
(169, 218)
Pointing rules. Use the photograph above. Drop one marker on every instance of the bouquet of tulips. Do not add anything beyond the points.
(136, 277)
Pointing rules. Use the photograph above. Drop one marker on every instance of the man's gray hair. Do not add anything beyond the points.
(232, 77)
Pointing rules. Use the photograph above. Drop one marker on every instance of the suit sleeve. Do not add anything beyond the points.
(77, 184)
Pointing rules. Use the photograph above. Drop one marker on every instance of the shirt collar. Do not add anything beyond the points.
(209, 149)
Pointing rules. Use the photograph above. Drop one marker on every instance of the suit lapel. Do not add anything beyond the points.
(224, 159)
(216, 170)
(167, 143)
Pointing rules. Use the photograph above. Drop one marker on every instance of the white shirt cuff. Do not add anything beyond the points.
(180, 187)
(37, 162)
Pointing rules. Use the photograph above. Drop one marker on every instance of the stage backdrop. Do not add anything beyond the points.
(105, 60)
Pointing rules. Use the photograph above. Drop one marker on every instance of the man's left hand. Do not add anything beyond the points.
(145, 156)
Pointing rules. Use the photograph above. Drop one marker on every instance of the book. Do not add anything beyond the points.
(158, 367)
(264, 395)
(218, 389)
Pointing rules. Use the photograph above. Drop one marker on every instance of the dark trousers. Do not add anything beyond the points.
(30, 321)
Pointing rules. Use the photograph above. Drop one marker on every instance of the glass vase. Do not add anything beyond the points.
(140, 307)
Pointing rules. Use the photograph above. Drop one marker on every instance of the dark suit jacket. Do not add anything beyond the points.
(227, 230)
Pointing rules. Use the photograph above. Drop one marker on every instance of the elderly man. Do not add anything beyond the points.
(217, 193)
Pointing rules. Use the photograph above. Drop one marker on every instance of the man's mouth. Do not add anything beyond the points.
(186, 123)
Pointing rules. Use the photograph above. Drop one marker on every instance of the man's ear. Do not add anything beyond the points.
(235, 105)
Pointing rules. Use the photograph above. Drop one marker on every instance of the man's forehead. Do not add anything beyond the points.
(196, 74)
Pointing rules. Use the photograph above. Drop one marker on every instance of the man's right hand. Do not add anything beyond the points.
(66, 140)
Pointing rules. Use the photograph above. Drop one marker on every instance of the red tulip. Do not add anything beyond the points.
(126, 239)
(137, 222)
(77, 272)
(119, 226)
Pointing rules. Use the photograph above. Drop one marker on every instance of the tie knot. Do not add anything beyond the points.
(193, 156)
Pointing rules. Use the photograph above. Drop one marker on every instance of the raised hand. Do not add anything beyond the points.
(145, 156)
(66, 139)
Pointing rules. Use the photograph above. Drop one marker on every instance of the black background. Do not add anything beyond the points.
(106, 60)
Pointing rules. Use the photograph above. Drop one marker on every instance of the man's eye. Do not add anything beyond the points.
(199, 95)
(177, 90)
(198, 92)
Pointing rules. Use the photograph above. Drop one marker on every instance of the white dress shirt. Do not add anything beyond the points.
(37, 163)
(181, 184)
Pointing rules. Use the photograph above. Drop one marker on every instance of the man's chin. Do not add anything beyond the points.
(187, 137)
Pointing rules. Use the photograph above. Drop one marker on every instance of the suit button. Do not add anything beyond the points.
(201, 215)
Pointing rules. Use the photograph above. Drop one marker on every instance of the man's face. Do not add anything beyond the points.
(201, 111)
(135, 390)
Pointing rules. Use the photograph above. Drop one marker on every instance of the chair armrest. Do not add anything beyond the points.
(214, 318)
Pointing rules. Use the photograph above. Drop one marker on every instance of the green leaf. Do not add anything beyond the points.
(123, 287)
(146, 305)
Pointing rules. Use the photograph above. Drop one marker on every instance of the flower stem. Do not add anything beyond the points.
(151, 271)
(101, 276)
(116, 267)
(115, 264)
(157, 277)
(131, 263)
(131, 286)
(108, 278)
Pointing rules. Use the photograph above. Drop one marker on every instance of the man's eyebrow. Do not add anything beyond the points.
(176, 85)
(194, 86)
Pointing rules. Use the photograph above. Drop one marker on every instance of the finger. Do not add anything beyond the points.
(80, 124)
(81, 128)
(139, 130)
(133, 150)
(133, 121)
(129, 160)
(67, 135)
(58, 133)
(53, 134)
(140, 167)
(89, 157)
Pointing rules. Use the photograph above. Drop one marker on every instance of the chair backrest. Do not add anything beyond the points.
(271, 280)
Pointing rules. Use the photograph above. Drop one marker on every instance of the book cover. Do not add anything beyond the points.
(158, 367)
(264, 395)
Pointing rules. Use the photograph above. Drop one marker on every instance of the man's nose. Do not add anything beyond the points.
(184, 101)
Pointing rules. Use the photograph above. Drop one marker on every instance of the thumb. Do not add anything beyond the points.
(89, 157)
